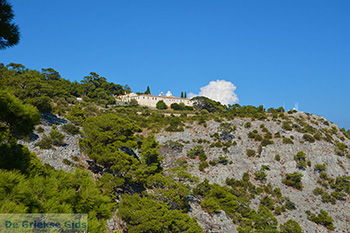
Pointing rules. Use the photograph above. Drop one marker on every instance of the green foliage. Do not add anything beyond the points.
(287, 141)
(248, 125)
(265, 221)
(203, 165)
(42, 103)
(161, 105)
(300, 159)
(322, 218)
(291, 226)
(57, 192)
(148, 91)
(250, 153)
(164, 188)
(260, 175)
(175, 125)
(56, 137)
(19, 117)
(342, 183)
(197, 151)
(278, 157)
(293, 180)
(71, 129)
(320, 167)
(287, 126)
(145, 215)
(180, 107)
(308, 138)
(45, 142)
(204, 103)
(9, 32)
(341, 149)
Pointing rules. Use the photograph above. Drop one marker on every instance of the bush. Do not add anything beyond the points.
(291, 226)
(175, 125)
(42, 103)
(286, 126)
(287, 141)
(45, 142)
(197, 151)
(56, 137)
(70, 129)
(308, 138)
(340, 149)
(250, 153)
(277, 157)
(203, 165)
(320, 168)
(260, 175)
(180, 107)
(300, 159)
(161, 105)
(248, 125)
(322, 218)
(293, 180)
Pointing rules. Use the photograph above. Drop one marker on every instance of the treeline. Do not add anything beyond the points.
(46, 89)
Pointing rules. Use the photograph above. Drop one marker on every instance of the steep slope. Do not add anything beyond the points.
(269, 146)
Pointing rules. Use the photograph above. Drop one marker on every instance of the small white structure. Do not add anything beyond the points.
(152, 100)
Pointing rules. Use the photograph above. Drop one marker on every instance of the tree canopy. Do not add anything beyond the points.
(9, 32)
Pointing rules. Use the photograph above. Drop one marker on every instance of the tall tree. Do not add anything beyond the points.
(9, 32)
(148, 91)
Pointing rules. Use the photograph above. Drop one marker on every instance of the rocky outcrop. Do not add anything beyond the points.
(318, 152)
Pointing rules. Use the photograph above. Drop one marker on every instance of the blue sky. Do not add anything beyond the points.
(276, 52)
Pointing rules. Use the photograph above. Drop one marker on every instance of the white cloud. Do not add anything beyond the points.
(219, 90)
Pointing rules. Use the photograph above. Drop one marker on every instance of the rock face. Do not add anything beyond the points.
(318, 152)
(58, 156)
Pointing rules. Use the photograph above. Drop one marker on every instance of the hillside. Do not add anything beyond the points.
(211, 169)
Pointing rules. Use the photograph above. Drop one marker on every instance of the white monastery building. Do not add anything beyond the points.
(152, 100)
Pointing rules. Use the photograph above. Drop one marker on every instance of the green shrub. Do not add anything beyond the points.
(161, 105)
(340, 149)
(342, 183)
(175, 125)
(287, 126)
(322, 218)
(260, 175)
(339, 196)
(70, 129)
(248, 125)
(318, 191)
(266, 142)
(291, 226)
(293, 180)
(308, 138)
(45, 142)
(56, 137)
(197, 151)
(277, 157)
(287, 141)
(320, 167)
(203, 165)
(289, 204)
(300, 159)
(250, 153)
